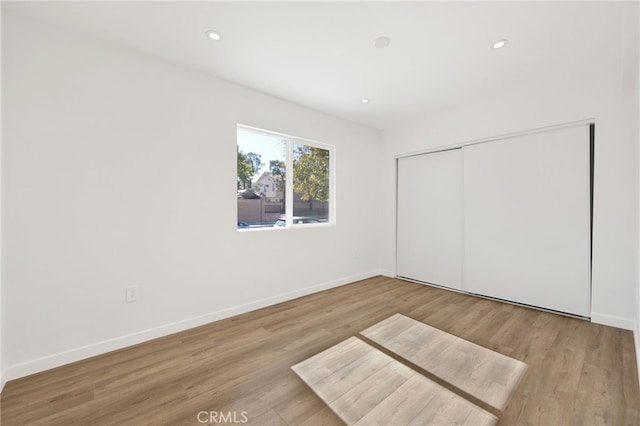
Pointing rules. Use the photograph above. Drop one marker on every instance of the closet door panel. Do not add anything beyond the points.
(527, 219)
(429, 221)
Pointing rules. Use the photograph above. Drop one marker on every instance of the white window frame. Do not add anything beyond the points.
(290, 141)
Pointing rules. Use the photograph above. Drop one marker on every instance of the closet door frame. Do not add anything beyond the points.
(586, 122)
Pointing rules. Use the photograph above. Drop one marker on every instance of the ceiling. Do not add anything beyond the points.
(321, 54)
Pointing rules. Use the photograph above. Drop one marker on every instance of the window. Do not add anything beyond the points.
(282, 181)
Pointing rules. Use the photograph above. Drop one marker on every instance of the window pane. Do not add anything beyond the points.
(310, 184)
(261, 173)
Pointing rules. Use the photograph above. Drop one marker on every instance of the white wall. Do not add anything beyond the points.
(2, 376)
(615, 241)
(120, 170)
(635, 112)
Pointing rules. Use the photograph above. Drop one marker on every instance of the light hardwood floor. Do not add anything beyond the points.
(364, 386)
(482, 373)
(578, 373)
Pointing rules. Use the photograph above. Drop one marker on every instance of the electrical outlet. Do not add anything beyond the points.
(131, 293)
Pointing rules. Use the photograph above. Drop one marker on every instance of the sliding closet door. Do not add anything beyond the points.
(527, 219)
(429, 244)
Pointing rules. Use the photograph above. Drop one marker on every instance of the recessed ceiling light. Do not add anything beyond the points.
(500, 44)
(213, 35)
(364, 101)
(382, 42)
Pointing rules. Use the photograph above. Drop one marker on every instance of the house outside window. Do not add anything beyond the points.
(283, 181)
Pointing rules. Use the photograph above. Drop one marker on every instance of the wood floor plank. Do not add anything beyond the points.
(324, 417)
(369, 383)
(409, 400)
(243, 363)
(478, 371)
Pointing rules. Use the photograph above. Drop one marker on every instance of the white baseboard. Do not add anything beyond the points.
(618, 322)
(80, 353)
(636, 336)
(387, 273)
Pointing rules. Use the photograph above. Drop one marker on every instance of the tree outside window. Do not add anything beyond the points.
(263, 180)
